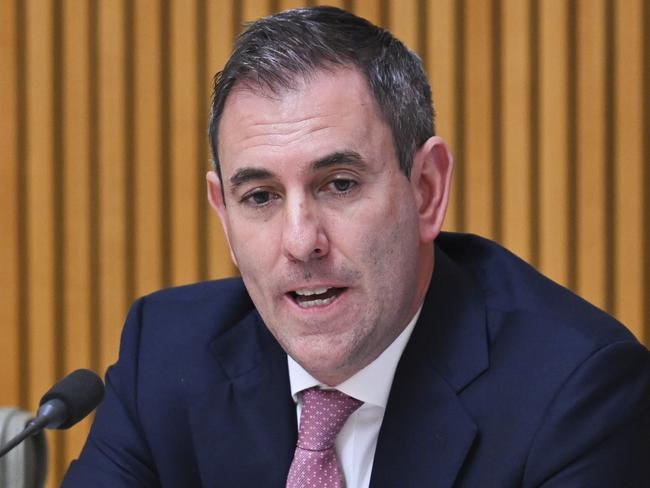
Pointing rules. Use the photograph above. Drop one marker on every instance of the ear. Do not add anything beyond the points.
(431, 182)
(215, 197)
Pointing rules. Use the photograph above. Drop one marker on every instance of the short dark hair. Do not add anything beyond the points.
(275, 50)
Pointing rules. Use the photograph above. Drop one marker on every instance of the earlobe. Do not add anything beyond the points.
(216, 199)
(431, 178)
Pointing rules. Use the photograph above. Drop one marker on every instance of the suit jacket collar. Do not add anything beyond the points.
(246, 423)
(426, 433)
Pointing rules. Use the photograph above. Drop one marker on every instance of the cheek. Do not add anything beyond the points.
(252, 246)
(393, 254)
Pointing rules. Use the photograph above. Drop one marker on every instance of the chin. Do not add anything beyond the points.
(331, 360)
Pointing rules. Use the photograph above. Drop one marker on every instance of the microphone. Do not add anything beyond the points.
(65, 404)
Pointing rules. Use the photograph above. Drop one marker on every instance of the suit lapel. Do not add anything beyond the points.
(244, 428)
(424, 439)
(426, 433)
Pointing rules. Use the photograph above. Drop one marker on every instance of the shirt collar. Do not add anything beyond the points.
(371, 384)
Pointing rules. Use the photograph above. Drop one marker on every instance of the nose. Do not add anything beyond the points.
(303, 234)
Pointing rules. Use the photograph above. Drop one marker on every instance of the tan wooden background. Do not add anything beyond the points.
(103, 154)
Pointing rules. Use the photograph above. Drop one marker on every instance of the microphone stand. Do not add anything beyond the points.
(51, 415)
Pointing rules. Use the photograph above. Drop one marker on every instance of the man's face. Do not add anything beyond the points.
(321, 222)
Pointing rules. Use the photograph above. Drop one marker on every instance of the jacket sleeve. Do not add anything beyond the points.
(596, 432)
(116, 453)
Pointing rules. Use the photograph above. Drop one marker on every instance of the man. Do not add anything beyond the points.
(453, 362)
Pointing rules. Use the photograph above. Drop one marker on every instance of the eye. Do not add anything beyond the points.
(342, 186)
(258, 198)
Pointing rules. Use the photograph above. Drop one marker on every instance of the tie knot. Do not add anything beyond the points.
(323, 414)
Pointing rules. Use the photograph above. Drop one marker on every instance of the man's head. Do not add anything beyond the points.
(332, 239)
(277, 51)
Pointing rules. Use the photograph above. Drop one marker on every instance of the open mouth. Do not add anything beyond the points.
(315, 297)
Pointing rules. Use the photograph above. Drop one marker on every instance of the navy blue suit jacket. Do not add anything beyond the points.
(507, 381)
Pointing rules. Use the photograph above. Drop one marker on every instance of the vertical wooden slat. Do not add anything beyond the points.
(646, 170)
(287, 4)
(41, 207)
(645, 83)
(148, 193)
(252, 10)
(203, 76)
(534, 227)
(609, 153)
(130, 137)
(22, 284)
(591, 232)
(40, 199)
(459, 185)
(631, 101)
(572, 135)
(515, 134)
(184, 153)
(331, 3)
(478, 119)
(553, 184)
(165, 144)
(112, 173)
(496, 119)
(404, 21)
(93, 182)
(9, 345)
(369, 9)
(440, 63)
(77, 336)
(220, 34)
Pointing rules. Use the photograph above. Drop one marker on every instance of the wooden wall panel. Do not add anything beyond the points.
(591, 154)
(40, 170)
(369, 9)
(252, 9)
(112, 171)
(76, 223)
(10, 345)
(332, 3)
(221, 32)
(516, 108)
(478, 160)
(288, 4)
(440, 55)
(41, 211)
(103, 154)
(148, 236)
(629, 163)
(184, 151)
(552, 176)
(403, 15)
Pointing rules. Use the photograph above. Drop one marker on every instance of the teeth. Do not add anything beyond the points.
(315, 303)
(305, 292)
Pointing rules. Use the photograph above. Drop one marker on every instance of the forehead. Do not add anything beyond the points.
(327, 111)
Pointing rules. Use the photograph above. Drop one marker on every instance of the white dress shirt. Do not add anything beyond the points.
(357, 441)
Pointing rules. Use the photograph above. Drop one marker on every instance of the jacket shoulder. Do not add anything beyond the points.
(224, 289)
(210, 302)
(512, 287)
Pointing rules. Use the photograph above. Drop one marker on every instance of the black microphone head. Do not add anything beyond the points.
(81, 391)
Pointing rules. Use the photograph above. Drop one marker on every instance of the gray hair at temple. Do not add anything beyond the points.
(275, 51)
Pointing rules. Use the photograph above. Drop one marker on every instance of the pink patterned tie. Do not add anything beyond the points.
(315, 464)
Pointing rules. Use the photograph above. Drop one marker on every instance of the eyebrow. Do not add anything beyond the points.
(248, 174)
(244, 175)
(351, 158)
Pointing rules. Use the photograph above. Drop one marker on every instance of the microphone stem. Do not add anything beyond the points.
(34, 426)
